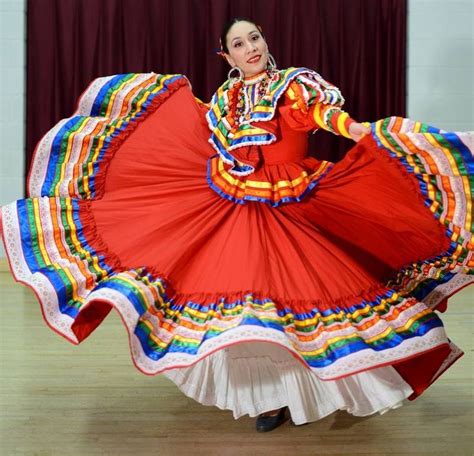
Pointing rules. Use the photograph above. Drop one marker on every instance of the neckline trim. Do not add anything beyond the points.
(255, 78)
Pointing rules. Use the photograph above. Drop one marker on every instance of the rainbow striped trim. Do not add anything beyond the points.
(72, 281)
(54, 248)
(72, 158)
(224, 139)
(241, 189)
(443, 165)
(321, 338)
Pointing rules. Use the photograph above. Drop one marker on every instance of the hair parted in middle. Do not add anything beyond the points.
(223, 38)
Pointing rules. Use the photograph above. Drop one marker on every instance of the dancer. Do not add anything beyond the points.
(257, 278)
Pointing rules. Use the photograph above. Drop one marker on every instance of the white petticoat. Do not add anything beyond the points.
(250, 378)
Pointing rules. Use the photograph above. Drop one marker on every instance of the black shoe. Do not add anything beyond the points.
(268, 423)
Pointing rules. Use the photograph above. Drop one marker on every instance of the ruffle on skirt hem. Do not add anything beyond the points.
(54, 246)
(167, 329)
(252, 378)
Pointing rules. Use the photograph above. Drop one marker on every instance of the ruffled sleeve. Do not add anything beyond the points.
(311, 103)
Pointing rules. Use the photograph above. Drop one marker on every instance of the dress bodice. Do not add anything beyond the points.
(283, 170)
(261, 136)
(290, 146)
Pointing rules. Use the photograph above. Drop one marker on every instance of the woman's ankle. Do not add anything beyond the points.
(271, 412)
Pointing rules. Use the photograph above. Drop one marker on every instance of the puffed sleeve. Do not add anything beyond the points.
(310, 103)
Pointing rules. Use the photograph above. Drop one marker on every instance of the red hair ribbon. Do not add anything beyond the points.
(221, 51)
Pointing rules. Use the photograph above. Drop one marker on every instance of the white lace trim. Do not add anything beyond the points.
(356, 362)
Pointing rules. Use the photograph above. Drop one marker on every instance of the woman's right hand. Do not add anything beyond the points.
(358, 131)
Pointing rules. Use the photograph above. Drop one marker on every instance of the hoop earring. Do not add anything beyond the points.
(241, 74)
(271, 62)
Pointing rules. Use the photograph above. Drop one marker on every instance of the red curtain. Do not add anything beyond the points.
(358, 45)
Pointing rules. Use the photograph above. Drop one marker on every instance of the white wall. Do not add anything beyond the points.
(440, 76)
(441, 63)
(12, 97)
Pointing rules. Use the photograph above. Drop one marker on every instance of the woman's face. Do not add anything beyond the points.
(247, 48)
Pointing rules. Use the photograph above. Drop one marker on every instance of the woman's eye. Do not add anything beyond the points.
(255, 37)
(237, 44)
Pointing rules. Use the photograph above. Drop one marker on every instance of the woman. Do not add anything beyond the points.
(255, 277)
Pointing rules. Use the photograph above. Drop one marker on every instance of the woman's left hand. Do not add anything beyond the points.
(357, 131)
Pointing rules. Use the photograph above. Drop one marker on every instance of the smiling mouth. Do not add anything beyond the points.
(254, 59)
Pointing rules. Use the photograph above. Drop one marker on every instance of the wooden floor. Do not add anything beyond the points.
(60, 399)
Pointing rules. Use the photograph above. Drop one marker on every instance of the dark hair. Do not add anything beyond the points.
(225, 30)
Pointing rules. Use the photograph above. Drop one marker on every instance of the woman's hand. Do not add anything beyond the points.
(357, 131)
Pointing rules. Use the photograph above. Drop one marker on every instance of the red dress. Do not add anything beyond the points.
(256, 256)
